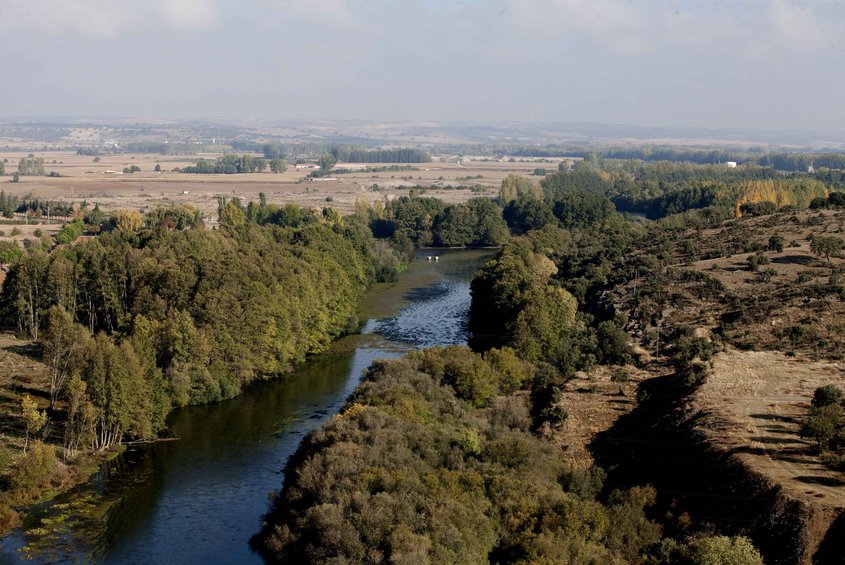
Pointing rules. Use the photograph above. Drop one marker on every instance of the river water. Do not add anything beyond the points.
(199, 499)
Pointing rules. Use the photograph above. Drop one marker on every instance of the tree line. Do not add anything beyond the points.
(11, 204)
(31, 166)
(429, 221)
(661, 189)
(159, 312)
(176, 148)
(357, 154)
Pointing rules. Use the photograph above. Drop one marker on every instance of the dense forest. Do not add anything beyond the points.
(428, 463)
(429, 221)
(159, 312)
(233, 164)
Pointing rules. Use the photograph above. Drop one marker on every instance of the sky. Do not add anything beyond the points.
(774, 64)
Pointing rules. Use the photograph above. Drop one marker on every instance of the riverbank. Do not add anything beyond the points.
(152, 498)
(25, 375)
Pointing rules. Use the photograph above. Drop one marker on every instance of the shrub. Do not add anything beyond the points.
(36, 467)
(689, 347)
(470, 442)
(759, 208)
(827, 395)
(825, 426)
(511, 412)
(766, 275)
(473, 380)
(513, 372)
(405, 475)
(620, 376)
(70, 231)
(614, 346)
(555, 415)
(9, 252)
(722, 550)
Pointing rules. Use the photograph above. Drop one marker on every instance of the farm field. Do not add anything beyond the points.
(103, 182)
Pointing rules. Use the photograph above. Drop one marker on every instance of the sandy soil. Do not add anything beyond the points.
(755, 402)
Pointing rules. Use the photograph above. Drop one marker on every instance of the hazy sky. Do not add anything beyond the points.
(745, 63)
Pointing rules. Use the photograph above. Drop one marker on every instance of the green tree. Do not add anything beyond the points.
(456, 227)
(827, 246)
(35, 468)
(327, 162)
(542, 328)
(490, 228)
(60, 341)
(230, 213)
(583, 209)
(117, 388)
(9, 252)
(513, 371)
(824, 424)
(31, 166)
(614, 344)
(527, 213)
(95, 216)
(127, 221)
(514, 186)
(722, 550)
(272, 151)
(81, 417)
(29, 291)
(33, 418)
(827, 395)
(776, 243)
(277, 165)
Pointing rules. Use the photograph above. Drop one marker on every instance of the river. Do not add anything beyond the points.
(199, 499)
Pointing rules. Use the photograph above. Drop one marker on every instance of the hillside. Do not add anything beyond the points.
(774, 319)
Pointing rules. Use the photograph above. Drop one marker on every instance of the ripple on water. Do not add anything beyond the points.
(436, 317)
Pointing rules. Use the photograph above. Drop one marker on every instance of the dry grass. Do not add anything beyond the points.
(755, 402)
(21, 372)
(594, 403)
(796, 308)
